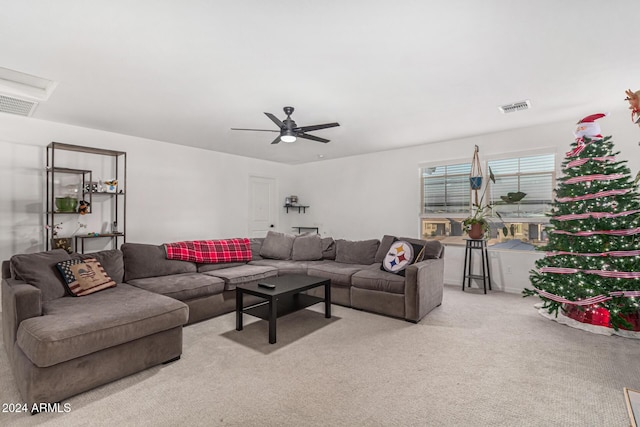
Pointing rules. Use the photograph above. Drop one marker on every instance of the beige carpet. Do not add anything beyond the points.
(478, 360)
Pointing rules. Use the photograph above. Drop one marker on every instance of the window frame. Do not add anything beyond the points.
(519, 155)
(444, 163)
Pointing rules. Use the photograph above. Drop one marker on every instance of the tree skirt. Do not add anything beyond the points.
(594, 329)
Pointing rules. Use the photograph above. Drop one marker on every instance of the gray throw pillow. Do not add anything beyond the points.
(39, 269)
(307, 247)
(385, 244)
(356, 252)
(277, 245)
(256, 244)
(111, 260)
(143, 260)
(328, 248)
(432, 248)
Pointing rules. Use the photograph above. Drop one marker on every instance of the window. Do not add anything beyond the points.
(445, 189)
(446, 200)
(532, 175)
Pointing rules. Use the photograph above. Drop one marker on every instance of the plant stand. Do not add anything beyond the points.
(481, 245)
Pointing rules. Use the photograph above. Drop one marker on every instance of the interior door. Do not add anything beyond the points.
(262, 205)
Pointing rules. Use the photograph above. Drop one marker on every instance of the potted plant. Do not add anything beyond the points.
(477, 225)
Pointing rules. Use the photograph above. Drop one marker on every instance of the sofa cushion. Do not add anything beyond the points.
(202, 268)
(183, 287)
(111, 260)
(74, 327)
(277, 245)
(384, 246)
(39, 269)
(256, 244)
(307, 247)
(284, 266)
(242, 274)
(142, 260)
(84, 277)
(377, 280)
(356, 252)
(339, 273)
(328, 248)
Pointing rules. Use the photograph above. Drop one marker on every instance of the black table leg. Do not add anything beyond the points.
(273, 316)
(327, 300)
(239, 296)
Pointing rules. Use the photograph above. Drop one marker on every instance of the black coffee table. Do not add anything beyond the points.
(285, 298)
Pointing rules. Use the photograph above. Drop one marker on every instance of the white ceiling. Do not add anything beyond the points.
(393, 73)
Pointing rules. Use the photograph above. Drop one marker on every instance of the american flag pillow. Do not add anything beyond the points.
(210, 251)
(84, 276)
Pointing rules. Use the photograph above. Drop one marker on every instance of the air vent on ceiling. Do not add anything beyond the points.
(516, 106)
(17, 106)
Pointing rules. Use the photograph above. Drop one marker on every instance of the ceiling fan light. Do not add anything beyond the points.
(288, 137)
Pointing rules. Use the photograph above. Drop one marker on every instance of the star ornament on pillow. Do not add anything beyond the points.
(400, 255)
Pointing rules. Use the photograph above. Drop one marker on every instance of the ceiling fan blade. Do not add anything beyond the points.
(275, 141)
(313, 138)
(257, 130)
(316, 127)
(275, 120)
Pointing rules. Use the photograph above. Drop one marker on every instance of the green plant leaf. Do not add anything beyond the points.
(505, 231)
(492, 177)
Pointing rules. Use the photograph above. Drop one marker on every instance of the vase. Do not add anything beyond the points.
(475, 182)
(475, 232)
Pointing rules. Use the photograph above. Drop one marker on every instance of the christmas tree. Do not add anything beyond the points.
(592, 263)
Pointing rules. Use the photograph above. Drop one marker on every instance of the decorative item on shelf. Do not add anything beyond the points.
(111, 186)
(293, 200)
(65, 243)
(55, 228)
(66, 204)
(287, 201)
(83, 207)
(114, 227)
(91, 187)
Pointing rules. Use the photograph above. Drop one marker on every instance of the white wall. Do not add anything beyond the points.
(173, 192)
(177, 193)
(371, 195)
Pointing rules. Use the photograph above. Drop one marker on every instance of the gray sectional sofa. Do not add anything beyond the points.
(59, 346)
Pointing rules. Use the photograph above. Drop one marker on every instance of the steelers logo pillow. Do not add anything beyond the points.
(399, 257)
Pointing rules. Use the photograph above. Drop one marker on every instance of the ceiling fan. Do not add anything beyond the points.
(289, 130)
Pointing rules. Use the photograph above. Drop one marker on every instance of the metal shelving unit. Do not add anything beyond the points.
(118, 200)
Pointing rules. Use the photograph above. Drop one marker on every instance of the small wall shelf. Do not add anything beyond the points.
(303, 208)
(113, 236)
(316, 229)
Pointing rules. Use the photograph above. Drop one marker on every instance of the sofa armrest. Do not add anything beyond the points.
(424, 286)
(20, 301)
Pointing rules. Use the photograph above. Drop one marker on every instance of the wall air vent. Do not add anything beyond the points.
(17, 106)
(516, 106)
